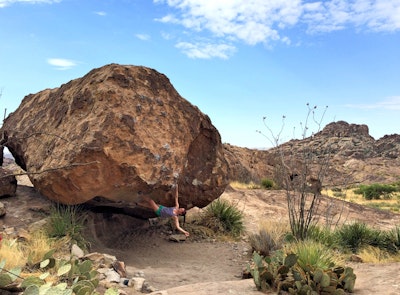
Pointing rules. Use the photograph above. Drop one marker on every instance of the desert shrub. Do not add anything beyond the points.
(322, 235)
(262, 242)
(358, 235)
(267, 183)
(223, 217)
(395, 235)
(270, 237)
(353, 236)
(12, 252)
(312, 255)
(376, 191)
(67, 221)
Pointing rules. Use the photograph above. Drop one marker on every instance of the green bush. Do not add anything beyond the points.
(321, 235)
(376, 191)
(312, 255)
(267, 183)
(65, 220)
(353, 236)
(357, 235)
(395, 237)
(224, 217)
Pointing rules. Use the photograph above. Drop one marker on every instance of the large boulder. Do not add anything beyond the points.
(114, 132)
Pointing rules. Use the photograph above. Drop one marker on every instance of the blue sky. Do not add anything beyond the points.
(237, 60)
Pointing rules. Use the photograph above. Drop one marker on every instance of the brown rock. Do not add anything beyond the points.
(8, 183)
(354, 157)
(116, 131)
(119, 267)
(246, 165)
(3, 210)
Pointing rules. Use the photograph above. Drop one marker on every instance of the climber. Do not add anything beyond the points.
(162, 211)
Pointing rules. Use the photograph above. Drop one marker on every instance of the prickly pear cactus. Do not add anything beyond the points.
(286, 275)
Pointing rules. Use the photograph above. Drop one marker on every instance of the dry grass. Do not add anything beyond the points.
(30, 251)
(375, 255)
(241, 185)
(12, 253)
(277, 229)
(392, 204)
(270, 237)
(37, 246)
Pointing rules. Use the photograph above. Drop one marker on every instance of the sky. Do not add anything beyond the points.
(255, 67)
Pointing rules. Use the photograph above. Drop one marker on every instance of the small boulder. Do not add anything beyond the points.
(8, 183)
(177, 238)
(2, 209)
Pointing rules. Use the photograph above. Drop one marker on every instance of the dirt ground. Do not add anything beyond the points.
(206, 267)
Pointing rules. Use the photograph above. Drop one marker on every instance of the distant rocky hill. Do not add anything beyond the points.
(354, 156)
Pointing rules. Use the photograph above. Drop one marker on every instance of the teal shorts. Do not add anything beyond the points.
(158, 211)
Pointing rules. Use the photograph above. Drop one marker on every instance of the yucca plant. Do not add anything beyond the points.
(67, 221)
(222, 216)
(353, 236)
(396, 237)
(357, 235)
(312, 255)
(322, 235)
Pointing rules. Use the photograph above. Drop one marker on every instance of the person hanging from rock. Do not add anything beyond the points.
(165, 212)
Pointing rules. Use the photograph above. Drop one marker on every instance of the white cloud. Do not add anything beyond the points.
(206, 50)
(252, 22)
(143, 37)
(61, 63)
(263, 22)
(4, 3)
(391, 103)
(372, 15)
(100, 13)
(166, 36)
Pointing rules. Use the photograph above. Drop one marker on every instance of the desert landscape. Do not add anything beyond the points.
(198, 266)
(123, 132)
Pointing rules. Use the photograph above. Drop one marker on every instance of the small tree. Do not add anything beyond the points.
(300, 170)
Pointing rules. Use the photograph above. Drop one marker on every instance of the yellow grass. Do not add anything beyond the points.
(392, 204)
(30, 251)
(37, 246)
(242, 185)
(276, 228)
(376, 255)
(12, 253)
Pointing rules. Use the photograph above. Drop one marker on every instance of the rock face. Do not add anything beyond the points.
(246, 165)
(114, 132)
(354, 156)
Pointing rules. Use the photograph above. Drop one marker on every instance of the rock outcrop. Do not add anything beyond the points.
(354, 156)
(246, 165)
(112, 133)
